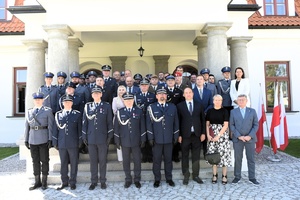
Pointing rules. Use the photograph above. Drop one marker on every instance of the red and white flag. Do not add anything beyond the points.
(261, 115)
(279, 130)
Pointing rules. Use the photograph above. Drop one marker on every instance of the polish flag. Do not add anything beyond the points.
(261, 115)
(279, 130)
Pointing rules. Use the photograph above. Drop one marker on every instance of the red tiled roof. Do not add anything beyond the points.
(258, 20)
(14, 25)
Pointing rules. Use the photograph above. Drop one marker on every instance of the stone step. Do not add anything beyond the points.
(84, 166)
(147, 175)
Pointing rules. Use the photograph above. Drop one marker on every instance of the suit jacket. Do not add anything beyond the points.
(44, 118)
(186, 120)
(50, 97)
(243, 126)
(67, 129)
(111, 85)
(97, 123)
(134, 89)
(244, 88)
(129, 128)
(206, 100)
(166, 130)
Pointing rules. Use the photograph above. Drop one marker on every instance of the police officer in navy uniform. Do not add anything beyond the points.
(38, 136)
(175, 96)
(78, 101)
(80, 90)
(92, 79)
(110, 83)
(82, 79)
(223, 87)
(212, 87)
(137, 79)
(162, 131)
(66, 138)
(142, 100)
(51, 93)
(61, 86)
(97, 132)
(130, 133)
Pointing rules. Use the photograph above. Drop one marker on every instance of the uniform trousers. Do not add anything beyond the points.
(238, 157)
(136, 156)
(69, 155)
(98, 154)
(193, 143)
(40, 154)
(159, 151)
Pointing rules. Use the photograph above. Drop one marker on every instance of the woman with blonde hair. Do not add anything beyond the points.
(217, 119)
(118, 103)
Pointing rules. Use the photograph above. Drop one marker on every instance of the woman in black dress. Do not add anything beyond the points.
(217, 121)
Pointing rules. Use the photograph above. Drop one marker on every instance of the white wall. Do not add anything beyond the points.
(276, 45)
(10, 56)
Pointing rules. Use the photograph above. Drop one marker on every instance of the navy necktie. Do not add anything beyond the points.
(190, 108)
(36, 111)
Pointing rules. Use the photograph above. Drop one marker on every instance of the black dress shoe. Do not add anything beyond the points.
(198, 180)
(185, 181)
(137, 184)
(92, 186)
(171, 183)
(62, 186)
(103, 186)
(156, 184)
(73, 186)
(127, 184)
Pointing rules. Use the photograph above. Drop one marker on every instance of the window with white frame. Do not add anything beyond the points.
(2, 9)
(277, 71)
(20, 74)
(275, 7)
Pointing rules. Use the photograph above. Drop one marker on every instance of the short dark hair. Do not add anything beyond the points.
(243, 76)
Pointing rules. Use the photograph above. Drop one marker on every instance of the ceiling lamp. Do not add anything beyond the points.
(141, 49)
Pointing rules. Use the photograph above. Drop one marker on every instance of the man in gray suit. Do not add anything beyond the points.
(244, 124)
(38, 136)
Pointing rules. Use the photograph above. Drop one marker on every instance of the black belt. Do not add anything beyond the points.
(38, 127)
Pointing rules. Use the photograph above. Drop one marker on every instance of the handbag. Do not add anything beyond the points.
(213, 158)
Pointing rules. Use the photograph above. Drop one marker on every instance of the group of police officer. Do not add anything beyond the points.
(77, 117)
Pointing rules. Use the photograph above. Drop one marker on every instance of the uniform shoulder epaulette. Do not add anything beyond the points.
(30, 108)
(47, 108)
(59, 111)
(106, 103)
(42, 86)
(75, 111)
(89, 103)
(53, 85)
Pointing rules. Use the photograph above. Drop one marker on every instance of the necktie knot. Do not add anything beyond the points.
(162, 105)
(36, 111)
(48, 88)
(68, 112)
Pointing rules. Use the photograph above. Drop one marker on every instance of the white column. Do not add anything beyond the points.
(217, 56)
(74, 44)
(201, 42)
(58, 47)
(238, 53)
(35, 67)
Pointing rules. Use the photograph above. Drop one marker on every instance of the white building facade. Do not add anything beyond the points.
(82, 36)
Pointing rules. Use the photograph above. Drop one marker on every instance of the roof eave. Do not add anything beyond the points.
(274, 27)
(12, 33)
(243, 7)
(26, 9)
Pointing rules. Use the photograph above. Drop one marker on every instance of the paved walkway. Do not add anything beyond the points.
(278, 180)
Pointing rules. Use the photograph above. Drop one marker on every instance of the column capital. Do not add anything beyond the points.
(37, 43)
(216, 26)
(200, 41)
(121, 59)
(75, 42)
(161, 58)
(235, 39)
(62, 28)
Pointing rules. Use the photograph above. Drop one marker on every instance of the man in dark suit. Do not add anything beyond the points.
(202, 95)
(191, 134)
(66, 138)
(97, 132)
(107, 92)
(130, 133)
(38, 138)
(130, 88)
(244, 125)
(162, 131)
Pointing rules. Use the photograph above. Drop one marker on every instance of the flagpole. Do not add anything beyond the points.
(273, 157)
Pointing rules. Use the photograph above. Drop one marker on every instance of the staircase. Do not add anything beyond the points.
(115, 169)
